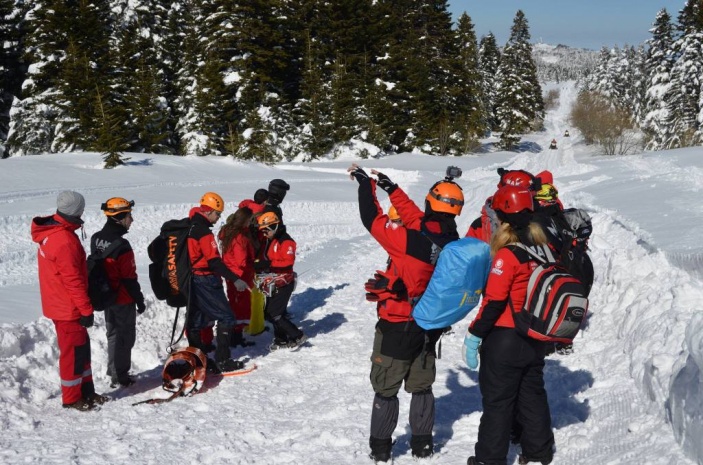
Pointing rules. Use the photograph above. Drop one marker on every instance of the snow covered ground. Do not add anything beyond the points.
(630, 394)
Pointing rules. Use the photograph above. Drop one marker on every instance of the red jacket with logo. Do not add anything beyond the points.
(280, 251)
(508, 278)
(63, 273)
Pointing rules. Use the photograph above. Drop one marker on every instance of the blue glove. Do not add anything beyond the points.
(470, 351)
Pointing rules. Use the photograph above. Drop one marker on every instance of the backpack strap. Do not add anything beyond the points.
(548, 255)
(111, 248)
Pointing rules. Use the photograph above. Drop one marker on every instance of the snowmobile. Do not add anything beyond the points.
(553, 145)
(566, 133)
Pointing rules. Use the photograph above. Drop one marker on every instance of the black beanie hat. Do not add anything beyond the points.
(261, 196)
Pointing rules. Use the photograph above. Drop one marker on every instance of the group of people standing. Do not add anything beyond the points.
(253, 241)
(525, 212)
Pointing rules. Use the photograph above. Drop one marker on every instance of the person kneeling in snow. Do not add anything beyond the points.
(277, 280)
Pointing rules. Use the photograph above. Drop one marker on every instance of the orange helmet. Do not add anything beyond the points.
(267, 219)
(512, 199)
(393, 214)
(213, 200)
(446, 197)
(117, 205)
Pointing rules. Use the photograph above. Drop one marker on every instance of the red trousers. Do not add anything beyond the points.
(240, 303)
(74, 361)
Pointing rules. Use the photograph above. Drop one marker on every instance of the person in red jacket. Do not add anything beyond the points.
(63, 284)
(277, 280)
(208, 301)
(238, 255)
(403, 352)
(511, 370)
(120, 318)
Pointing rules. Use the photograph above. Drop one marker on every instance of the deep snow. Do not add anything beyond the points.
(630, 394)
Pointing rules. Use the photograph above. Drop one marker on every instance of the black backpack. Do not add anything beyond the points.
(574, 254)
(99, 291)
(170, 270)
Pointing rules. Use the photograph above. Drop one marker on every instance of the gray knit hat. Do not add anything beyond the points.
(70, 203)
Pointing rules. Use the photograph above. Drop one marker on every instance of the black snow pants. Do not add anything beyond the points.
(512, 382)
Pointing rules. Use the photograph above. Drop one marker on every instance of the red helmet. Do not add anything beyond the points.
(546, 177)
(516, 178)
(512, 199)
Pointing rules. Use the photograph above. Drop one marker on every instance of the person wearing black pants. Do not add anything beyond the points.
(511, 375)
(121, 316)
(277, 279)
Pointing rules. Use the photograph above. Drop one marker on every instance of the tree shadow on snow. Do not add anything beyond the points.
(310, 299)
(144, 162)
(526, 146)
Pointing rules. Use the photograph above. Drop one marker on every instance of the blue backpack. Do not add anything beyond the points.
(456, 284)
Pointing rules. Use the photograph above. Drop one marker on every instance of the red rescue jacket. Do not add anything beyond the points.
(409, 248)
(509, 275)
(63, 273)
(240, 258)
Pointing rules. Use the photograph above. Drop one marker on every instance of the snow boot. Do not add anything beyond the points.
(229, 365)
(422, 446)
(297, 342)
(81, 405)
(238, 340)
(222, 340)
(564, 349)
(522, 460)
(278, 343)
(380, 449)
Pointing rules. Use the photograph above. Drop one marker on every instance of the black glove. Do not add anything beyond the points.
(385, 183)
(262, 265)
(87, 321)
(141, 306)
(358, 173)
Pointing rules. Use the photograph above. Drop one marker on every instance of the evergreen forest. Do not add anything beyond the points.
(261, 80)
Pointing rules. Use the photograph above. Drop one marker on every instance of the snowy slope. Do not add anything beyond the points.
(636, 365)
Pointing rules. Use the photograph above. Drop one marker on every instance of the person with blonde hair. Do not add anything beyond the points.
(511, 375)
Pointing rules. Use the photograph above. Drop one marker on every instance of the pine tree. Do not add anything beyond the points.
(109, 138)
(137, 94)
(472, 116)
(489, 62)
(12, 68)
(85, 66)
(683, 98)
(519, 105)
(658, 65)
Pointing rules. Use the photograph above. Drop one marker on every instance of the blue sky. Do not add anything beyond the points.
(577, 23)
